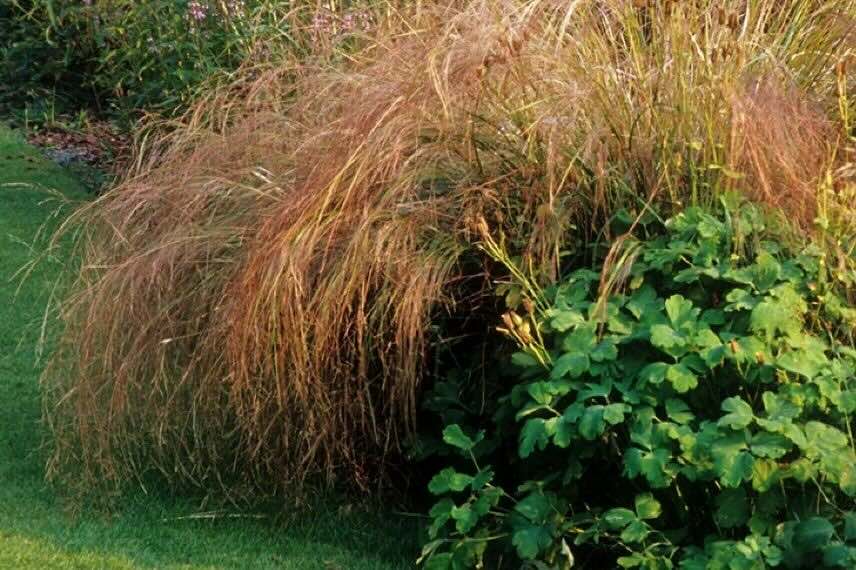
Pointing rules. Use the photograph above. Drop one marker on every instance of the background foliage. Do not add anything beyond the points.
(42, 65)
(122, 56)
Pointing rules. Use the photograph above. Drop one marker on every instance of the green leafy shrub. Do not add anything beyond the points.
(691, 406)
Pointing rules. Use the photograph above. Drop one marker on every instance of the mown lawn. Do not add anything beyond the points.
(148, 532)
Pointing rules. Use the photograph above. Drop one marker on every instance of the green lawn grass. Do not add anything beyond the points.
(147, 532)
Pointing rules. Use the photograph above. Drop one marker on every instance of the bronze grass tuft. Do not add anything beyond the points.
(255, 298)
(782, 144)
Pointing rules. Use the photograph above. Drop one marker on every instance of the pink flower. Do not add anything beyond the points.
(197, 11)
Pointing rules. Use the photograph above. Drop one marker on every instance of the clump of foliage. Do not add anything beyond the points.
(123, 56)
(689, 403)
(258, 300)
(45, 69)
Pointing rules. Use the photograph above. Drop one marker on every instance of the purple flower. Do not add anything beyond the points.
(197, 11)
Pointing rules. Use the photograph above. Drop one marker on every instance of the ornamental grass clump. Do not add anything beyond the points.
(259, 297)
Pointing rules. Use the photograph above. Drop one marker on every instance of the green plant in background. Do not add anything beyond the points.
(693, 409)
(44, 67)
(153, 55)
(122, 56)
